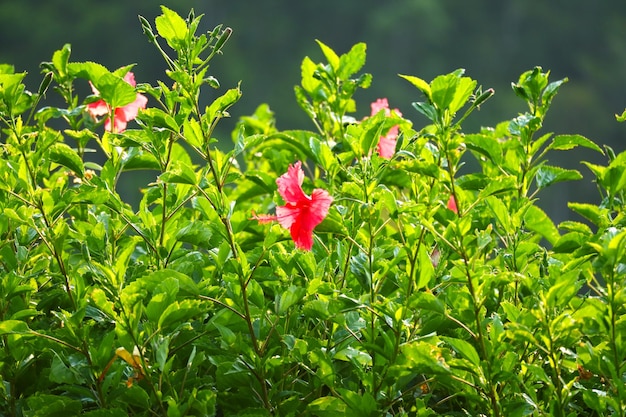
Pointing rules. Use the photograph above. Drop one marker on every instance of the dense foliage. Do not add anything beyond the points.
(405, 285)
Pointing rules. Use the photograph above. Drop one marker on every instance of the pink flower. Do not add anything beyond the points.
(301, 213)
(122, 115)
(452, 205)
(387, 143)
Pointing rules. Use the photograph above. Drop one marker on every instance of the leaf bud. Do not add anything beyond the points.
(484, 97)
(223, 38)
(45, 83)
(147, 29)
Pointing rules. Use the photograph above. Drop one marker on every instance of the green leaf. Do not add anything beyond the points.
(179, 313)
(427, 110)
(138, 160)
(426, 268)
(614, 177)
(255, 294)
(327, 407)
(13, 327)
(197, 233)
(44, 405)
(443, 90)
(172, 28)
(330, 55)
(622, 117)
(66, 156)
(570, 242)
(163, 297)
(352, 61)
(187, 286)
(351, 354)
(500, 211)
(87, 70)
(324, 155)
(180, 173)
(563, 288)
(485, 145)
(158, 118)
(360, 404)
(100, 300)
(422, 85)
(420, 356)
(288, 298)
(60, 59)
(60, 373)
(309, 83)
(218, 108)
(566, 142)
(539, 222)
(463, 92)
(499, 185)
(114, 90)
(550, 91)
(533, 83)
(192, 132)
(548, 175)
(427, 301)
(598, 216)
(465, 349)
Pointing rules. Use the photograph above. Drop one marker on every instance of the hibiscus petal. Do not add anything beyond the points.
(131, 110)
(94, 89)
(290, 184)
(387, 146)
(318, 209)
(452, 204)
(302, 236)
(380, 104)
(288, 215)
(98, 108)
(130, 78)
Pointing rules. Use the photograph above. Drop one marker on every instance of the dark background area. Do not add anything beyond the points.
(493, 40)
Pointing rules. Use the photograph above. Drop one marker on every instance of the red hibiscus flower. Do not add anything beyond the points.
(301, 213)
(452, 205)
(387, 143)
(122, 115)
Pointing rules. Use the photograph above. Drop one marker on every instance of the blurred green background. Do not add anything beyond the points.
(493, 40)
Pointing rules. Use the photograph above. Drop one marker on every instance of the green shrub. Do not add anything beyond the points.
(353, 269)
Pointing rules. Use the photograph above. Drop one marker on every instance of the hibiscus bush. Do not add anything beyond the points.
(371, 264)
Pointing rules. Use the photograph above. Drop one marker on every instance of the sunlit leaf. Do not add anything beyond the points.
(172, 28)
(331, 56)
(539, 222)
(422, 85)
(352, 61)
